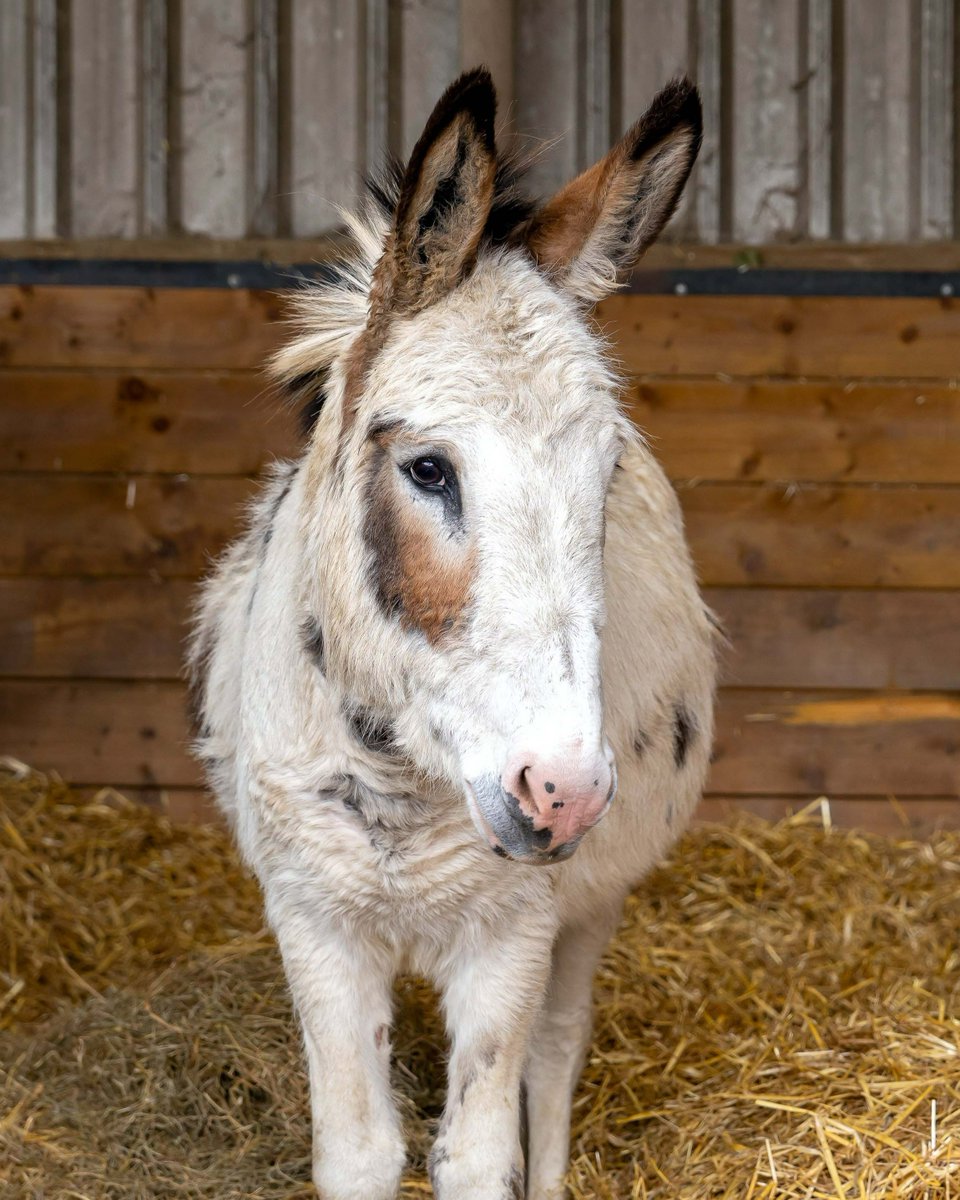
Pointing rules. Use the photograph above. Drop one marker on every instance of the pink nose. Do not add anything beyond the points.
(566, 795)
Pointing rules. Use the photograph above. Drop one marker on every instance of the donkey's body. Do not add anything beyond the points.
(364, 658)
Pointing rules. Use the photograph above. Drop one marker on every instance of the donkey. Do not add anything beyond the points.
(453, 623)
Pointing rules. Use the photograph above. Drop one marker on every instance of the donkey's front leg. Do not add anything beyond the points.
(491, 999)
(558, 1048)
(341, 991)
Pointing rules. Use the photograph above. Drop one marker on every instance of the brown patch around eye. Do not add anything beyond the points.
(427, 590)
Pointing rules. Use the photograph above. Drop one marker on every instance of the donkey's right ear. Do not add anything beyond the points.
(445, 200)
(593, 231)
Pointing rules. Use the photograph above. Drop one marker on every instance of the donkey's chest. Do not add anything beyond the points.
(396, 867)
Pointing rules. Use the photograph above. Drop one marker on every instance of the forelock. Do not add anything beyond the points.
(328, 315)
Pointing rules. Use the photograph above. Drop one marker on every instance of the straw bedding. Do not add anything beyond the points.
(779, 1016)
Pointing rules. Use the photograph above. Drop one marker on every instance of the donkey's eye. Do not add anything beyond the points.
(428, 473)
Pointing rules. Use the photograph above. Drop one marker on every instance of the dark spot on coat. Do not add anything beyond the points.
(311, 389)
(312, 634)
(557, 804)
(439, 1154)
(272, 515)
(351, 802)
(374, 733)
(550, 788)
(499, 851)
(640, 743)
(468, 1081)
(684, 731)
(514, 1183)
(160, 424)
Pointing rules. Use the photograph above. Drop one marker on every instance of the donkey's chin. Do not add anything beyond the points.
(508, 831)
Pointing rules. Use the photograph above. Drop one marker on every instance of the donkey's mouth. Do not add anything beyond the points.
(508, 831)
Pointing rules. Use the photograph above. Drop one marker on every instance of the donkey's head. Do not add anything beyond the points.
(456, 480)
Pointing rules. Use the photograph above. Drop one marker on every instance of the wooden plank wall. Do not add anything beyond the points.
(815, 444)
(227, 118)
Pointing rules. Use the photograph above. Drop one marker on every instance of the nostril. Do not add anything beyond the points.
(524, 787)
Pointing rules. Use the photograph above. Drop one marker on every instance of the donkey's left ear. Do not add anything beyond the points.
(593, 231)
(445, 199)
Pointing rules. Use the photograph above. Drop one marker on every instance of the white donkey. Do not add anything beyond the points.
(453, 622)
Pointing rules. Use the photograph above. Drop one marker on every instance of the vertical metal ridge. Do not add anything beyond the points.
(154, 107)
(376, 84)
(283, 132)
(594, 126)
(44, 175)
(265, 108)
(174, 122)
(936, 147)
(816, 72)
(838, 121)
(618, 118)
(707, 56)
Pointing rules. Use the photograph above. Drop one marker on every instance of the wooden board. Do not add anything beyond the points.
(787, 430)
(776, 335)
(911, 818)
(100, 733)
(768, 742)
(135, 628)
(211, 328)
(133, 328)
(822, 537)
(232, 422)
(795, 743)
(198, 422)
(816, 638)
(167, 525)
(94, 628)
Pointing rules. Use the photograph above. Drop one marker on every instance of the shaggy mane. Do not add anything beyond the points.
(329, 314)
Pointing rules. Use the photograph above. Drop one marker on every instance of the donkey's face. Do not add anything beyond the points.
(492, 431)
(478, 429)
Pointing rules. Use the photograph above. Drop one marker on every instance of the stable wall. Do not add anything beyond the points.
(815, 444)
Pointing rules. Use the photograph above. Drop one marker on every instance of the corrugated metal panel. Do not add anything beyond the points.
(235, 118)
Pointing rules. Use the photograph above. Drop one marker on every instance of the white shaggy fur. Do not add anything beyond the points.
(372, 863)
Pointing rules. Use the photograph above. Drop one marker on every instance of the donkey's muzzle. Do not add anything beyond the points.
(534, 829)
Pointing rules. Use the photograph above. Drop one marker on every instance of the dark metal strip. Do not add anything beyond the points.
(700, 281)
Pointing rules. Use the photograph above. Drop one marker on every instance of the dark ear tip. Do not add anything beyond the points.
(472, 92)
(674, 106)
(687, 102)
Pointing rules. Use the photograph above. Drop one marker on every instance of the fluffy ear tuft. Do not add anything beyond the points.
(594, 230)
(445, 199)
